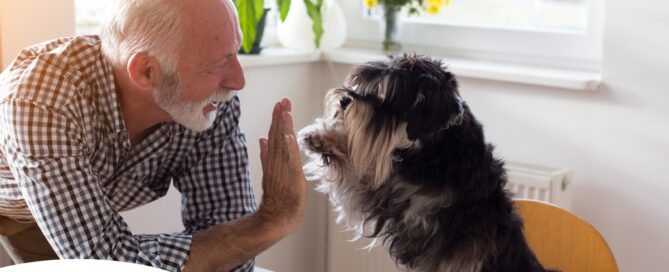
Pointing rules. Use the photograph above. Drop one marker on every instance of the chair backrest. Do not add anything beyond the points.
(563, 241)
(9, 249)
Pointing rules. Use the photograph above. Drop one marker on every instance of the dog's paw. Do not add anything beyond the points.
(323, 138)
(314, 142)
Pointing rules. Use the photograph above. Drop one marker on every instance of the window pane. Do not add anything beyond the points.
(89, 15)
(549, 14)
(568, 14)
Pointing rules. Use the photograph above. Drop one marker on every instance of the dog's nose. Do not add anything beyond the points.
(344, 102)
(305, 139)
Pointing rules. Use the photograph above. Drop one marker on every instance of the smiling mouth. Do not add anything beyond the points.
(209, 108)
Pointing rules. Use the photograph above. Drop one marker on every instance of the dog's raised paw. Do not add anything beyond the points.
(314, 143)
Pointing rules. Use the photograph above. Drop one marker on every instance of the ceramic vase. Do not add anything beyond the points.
(296, 31)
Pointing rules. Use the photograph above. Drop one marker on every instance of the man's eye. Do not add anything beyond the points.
(214, 70)
(344, 102)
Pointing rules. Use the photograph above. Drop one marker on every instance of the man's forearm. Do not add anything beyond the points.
(226, 246)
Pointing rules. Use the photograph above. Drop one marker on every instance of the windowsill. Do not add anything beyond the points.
(271, 56)
(488, 70)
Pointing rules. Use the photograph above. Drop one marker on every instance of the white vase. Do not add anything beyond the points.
(296, 31)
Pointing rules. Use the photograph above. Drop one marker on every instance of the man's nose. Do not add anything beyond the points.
(234, 79)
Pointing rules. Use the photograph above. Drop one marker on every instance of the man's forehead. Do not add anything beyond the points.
(200, 11)
(212, 27)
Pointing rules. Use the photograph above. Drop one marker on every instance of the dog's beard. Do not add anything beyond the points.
(187, 113)
(345, 155)
(325, 143)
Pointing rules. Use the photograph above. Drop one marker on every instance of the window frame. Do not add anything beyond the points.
(532, 46)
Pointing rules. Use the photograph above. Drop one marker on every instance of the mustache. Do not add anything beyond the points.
(221, 95)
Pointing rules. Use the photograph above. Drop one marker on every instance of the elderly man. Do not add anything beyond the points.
(93, 126)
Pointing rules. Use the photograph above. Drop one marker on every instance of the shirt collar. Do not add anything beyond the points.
(111, 106)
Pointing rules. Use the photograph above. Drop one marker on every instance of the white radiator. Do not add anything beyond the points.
(525, 181)
(541, 183)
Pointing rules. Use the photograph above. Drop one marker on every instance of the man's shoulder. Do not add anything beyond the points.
(51, 72)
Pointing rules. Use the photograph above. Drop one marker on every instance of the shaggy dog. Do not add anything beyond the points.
(405, 162)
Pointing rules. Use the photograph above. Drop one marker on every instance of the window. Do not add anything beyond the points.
(568, 15)
(556, 33)
(90, 14)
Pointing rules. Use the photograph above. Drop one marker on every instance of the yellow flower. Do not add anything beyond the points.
(435, 2)
(439, 2)
(371, 3)
(432, 9)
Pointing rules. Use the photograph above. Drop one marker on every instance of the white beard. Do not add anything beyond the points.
(187, 113)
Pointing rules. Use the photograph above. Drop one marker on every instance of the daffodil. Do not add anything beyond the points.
(371, 3)
(435, 2)
(432, 9)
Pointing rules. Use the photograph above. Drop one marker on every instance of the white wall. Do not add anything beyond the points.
(26, 22)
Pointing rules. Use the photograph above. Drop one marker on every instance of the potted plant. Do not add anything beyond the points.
(390, 21)
(252, 16)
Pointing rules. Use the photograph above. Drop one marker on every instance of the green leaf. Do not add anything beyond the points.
(247, 22)
(258, 7)
(314, 11)
(413, 11)
(284, 6)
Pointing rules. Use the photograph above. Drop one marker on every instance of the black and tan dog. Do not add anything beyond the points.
(405, 162)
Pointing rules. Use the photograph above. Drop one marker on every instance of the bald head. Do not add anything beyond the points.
(163, 27)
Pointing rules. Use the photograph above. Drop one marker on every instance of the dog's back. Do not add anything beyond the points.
(477, 227)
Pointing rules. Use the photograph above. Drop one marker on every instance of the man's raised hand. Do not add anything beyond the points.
(284, 184)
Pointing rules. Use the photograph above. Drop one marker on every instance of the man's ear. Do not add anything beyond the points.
(144, 71)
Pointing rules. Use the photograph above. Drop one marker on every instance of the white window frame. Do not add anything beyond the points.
(554, 48)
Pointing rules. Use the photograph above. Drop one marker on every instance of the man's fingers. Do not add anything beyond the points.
(263, 153)
(288, 123)
(276, 150)
(275, 121)
(294, 153)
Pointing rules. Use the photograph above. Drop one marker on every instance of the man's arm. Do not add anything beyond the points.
(46, 151)
(228, 245)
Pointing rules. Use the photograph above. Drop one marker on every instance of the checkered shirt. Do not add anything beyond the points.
(67, 163)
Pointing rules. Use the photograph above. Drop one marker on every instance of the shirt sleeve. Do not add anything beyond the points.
(216, 188)
(46, 151)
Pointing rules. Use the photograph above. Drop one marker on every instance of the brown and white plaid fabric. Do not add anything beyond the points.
(67, 163)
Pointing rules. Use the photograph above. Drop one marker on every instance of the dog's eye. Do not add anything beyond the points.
(344, 101)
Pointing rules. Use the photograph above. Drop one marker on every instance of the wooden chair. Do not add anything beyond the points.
(563, 241)
(9, 250)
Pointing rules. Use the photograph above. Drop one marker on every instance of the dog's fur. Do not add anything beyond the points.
(405, 162)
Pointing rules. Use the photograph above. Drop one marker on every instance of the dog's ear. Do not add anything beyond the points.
(371, 140)
(437, 104)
